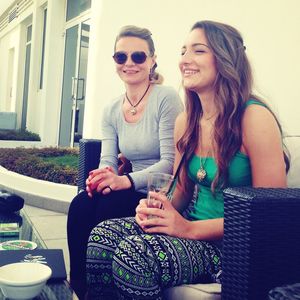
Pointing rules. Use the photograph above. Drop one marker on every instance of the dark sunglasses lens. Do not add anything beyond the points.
(138, 57)
(120, 57)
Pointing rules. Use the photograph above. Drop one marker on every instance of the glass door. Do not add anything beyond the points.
(26, 78)
(74, 84)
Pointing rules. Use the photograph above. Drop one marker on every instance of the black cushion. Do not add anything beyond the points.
(10, 202)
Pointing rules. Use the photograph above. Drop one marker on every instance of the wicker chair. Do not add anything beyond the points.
(261, 241)
(89, 158)
(261, 244)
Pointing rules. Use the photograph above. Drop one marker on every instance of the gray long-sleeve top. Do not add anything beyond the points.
(148, 143)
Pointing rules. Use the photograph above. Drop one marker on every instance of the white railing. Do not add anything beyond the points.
(39, 193)
(14, 12)
(23, 5)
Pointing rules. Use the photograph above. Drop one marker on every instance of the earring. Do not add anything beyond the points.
(151, 73)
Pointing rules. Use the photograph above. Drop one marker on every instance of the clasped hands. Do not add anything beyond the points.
(104, 181)
(165, 220)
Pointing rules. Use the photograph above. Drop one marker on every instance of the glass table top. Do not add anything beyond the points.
(26, 229)
(52, 291)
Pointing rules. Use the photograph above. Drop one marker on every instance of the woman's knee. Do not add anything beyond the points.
(81, 215)
(131, 257)
(79, 201)
(132, 270)
(101, 245)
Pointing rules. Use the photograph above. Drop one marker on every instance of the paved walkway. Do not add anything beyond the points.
(52, 227)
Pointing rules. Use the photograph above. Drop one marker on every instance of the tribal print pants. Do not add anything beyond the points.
(124, 262)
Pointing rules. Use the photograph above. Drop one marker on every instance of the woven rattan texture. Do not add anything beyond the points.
(261, 241)
(89, 157)
(59, 291)
(287, 292)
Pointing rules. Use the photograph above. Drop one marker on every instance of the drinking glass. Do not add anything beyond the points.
(159, 183)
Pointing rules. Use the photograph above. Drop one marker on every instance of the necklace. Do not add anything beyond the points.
(209, 118)
(201, 173)
(133, 109)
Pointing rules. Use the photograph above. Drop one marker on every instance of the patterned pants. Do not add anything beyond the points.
(123, 261)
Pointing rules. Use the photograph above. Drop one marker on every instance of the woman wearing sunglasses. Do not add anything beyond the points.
(139, 124)
(226, 137)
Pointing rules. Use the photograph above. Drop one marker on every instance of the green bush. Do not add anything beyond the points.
(18, 135)
(32, 162)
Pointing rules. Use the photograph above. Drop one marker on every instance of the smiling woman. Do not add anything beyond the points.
(216, 139)
(145, 111)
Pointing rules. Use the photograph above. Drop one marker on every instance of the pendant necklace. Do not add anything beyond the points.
(133, 109)
(201, 173)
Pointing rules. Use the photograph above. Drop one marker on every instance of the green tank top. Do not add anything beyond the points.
(207, 205)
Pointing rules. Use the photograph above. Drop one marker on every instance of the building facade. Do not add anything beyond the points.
(56, 71)
(44, 53)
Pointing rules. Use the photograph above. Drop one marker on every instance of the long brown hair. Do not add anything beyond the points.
(233, 88)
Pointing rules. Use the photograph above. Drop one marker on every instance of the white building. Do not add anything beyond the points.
(55, 51)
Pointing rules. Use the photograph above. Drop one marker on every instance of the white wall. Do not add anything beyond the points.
(8, 43)
(43, 105)
(271, 31)
(14, 36)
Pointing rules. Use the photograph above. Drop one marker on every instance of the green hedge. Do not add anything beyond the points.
(30, 162)
(18, 135)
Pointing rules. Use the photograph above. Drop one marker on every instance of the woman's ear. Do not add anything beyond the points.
(153, 60)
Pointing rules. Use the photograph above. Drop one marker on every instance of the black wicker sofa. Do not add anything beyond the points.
(261, 243)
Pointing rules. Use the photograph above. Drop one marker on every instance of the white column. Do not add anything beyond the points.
(33, 107)
(53, 70)
(93, 88)
(102, 82)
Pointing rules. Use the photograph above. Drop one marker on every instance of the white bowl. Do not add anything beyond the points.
(23, 280)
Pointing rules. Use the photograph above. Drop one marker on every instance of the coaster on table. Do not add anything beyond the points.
(9, 229)
(18, 245)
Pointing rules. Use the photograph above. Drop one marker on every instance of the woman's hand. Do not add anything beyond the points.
(105, 181)
(95, 178)
(166, 220)
(139, 217)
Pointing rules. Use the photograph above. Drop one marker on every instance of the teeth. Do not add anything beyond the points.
(130, 72)
(190, 72)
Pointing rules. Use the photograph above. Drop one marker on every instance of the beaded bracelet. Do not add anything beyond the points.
(131, 181)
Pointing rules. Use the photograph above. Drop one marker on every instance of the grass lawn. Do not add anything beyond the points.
(59, 165)
(67, 160)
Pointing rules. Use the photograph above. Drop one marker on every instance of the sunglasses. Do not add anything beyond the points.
(138, 57)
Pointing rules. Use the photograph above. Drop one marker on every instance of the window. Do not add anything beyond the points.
(43, 49)
(26, 77)
(76, 7)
